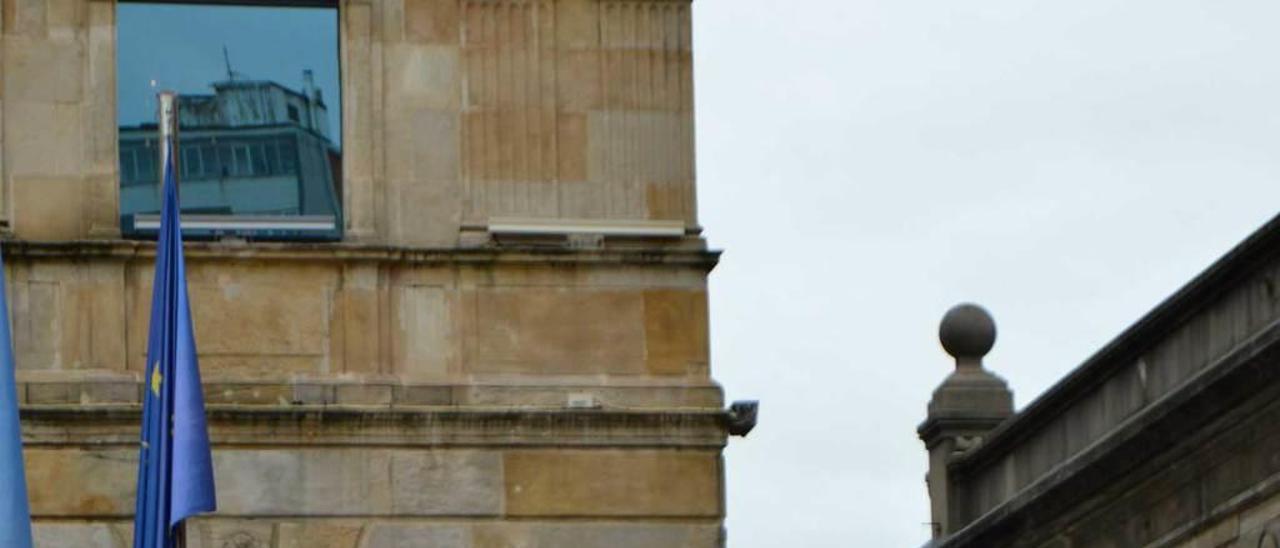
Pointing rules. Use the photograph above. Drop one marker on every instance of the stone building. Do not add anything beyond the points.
(1167, 436)
(508, 346)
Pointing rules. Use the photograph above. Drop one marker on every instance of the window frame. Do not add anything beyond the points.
(285, 152)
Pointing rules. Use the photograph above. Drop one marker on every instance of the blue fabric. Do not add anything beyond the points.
(175, 467)
(15, 515)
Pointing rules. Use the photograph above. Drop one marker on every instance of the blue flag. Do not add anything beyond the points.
(175, 467)
(15, 515)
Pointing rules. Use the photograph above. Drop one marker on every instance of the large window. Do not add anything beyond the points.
(259, 109)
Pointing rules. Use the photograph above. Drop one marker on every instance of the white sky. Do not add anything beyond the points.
(866, 164)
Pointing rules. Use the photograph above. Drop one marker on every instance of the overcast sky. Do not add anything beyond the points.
(866, 164)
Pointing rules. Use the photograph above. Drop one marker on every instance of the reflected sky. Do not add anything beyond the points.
(180, 47)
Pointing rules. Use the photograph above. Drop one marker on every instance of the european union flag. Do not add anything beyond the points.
(15, 515)
(175, 468)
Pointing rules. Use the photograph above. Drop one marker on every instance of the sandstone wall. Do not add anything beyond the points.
(419, 383)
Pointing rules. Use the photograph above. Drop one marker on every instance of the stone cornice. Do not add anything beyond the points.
(232, 425)
(1227, 273)
(355, 252)
(1223, 395)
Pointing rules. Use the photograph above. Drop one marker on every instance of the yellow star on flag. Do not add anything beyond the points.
(156, 379)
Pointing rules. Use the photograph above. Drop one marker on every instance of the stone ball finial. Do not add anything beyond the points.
(967, 333)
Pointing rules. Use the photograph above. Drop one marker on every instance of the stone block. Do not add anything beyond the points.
(597, 535)
(432, 21)
(30, 75)
(280, 319)
(547, 331)
(577, 24)
(423, 76)
(25, 17)
(250, 322)
(53, 392)
(248, 393)
(425, 213)
(654, 147)
(363, 394)
(412, 535)
(571, 147)
(410, 395)
(391, 29)
(578, 85)
(101, 481)
(47, 208)
(551, 482)
(36, 322)
(423, 338)
(706, 397)
(446, 483)
(301, 482)
(667, 201)
(214, 532)
(675, 324)
(79, 534)
(437, 159)
(102, 296)
(359, 317)
(110, 391)
(312, 393)
(318, 534)
(65, 18)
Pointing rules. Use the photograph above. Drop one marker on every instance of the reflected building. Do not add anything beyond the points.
(253, 147)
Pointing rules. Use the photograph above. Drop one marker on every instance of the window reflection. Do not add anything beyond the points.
(256, 139)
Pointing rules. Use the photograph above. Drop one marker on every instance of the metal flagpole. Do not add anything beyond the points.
(168, 117)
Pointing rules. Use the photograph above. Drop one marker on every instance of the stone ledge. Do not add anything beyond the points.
(365, 426)
(355, 252)
(124, 389)
(1225, 395)
(215, 531)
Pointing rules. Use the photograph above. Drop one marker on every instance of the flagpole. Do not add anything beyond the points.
(168, 117)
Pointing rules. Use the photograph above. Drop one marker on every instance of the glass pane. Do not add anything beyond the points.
(259, 113)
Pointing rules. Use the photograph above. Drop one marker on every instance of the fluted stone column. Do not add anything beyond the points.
(965, 407)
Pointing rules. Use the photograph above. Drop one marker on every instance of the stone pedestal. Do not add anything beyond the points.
(965, 407)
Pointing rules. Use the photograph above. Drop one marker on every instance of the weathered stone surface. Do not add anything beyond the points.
(424, 75)
(42, 202)
(45, 127)
(230, 533)
(276, 482)
(82, 534)
(319, 534)
(412, 395)
(28, 77)
(597, 535)
(431, 21)
(448, 483)
(409, 535)
(556, 331)
(424, 336)
(675, 323)
(81, 482)
(612, 483)
(364, 394)
(287, 320)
